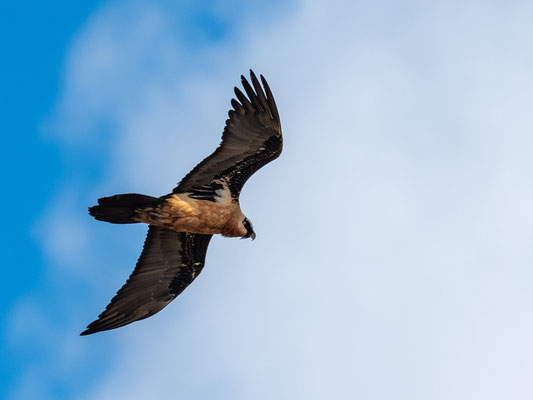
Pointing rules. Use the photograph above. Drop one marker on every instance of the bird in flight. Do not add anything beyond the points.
(205, 202)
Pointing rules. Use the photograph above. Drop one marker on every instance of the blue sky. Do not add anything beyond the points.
(34, 40)
(393, 257)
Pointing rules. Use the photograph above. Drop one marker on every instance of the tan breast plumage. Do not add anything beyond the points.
(185, 214)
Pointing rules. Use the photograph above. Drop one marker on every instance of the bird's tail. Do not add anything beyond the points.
(120, 209)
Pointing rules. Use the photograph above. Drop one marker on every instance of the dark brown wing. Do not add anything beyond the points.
(169, 262)
(251, 139)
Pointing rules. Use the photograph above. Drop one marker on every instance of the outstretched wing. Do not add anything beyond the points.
(169, 262)
(251, 139)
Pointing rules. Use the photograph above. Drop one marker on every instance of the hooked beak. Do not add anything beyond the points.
(251, 235)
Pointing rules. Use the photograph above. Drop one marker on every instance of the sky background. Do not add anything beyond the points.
(394, 253)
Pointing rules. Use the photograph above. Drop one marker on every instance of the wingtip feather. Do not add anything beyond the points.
(244, 100)
(270, 97)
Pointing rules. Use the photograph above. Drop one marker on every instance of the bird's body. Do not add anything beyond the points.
(205, 202)
(182, 213)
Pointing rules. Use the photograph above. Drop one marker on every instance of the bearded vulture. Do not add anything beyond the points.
(205, 202)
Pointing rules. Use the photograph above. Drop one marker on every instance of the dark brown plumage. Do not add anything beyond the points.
(251, 139)
(205, 202)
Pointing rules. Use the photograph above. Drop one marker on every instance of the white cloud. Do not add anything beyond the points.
(393, 248)
(63, 231)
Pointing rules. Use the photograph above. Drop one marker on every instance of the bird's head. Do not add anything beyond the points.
(249, 229)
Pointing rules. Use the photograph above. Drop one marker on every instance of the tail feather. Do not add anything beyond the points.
(120, 209)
